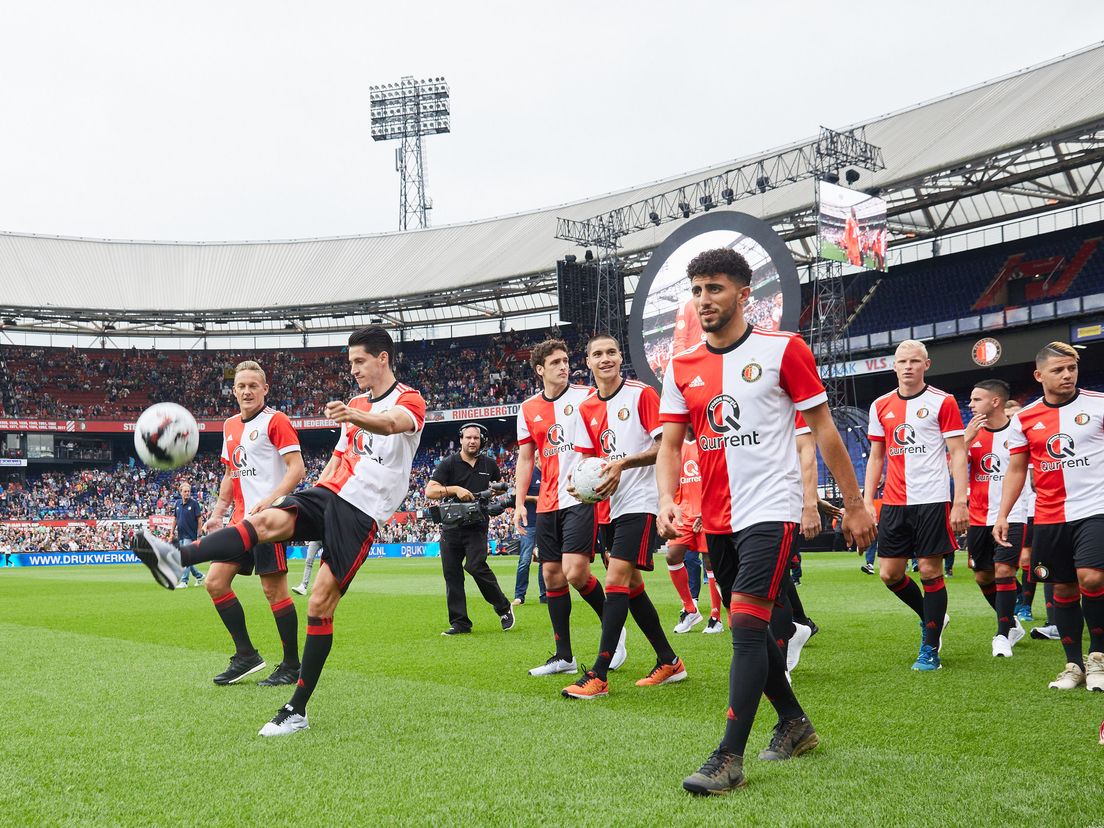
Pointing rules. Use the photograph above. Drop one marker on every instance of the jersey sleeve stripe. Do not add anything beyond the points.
(668, 417)
(811, 402)
(289, 449)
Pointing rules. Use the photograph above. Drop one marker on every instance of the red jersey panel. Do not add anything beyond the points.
(688, 329)
(800, 426)
(374, 469)
(689, 494)
(914, 430)
(742, 402)
(1066, 452)
(622, 425)
(988, 458)
(253, 451)
(550, 425)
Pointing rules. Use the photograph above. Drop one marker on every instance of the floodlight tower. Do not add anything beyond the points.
(405, 111)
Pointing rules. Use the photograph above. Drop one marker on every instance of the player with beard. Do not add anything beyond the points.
(619, 423)
(994, 566)
(260, 450)
(1062, 435)
(567, 530)
(360, 489)
(917, 426)
(740, 389)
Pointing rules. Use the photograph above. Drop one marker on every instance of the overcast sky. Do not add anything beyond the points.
(249, 120)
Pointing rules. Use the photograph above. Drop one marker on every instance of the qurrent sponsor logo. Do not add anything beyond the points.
(557, 443)
(723, 416)
(905, 438)
(1061, 447)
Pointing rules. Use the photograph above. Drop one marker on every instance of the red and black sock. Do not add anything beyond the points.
(907, 590)
(1071, 626)
(315, 651)
(989, 593)
(1092, 606)
(935, 609)
(559, 613)
(782, 621)
(287, 625)
(1048, 598)
(613, 621)
(1027, 586)
(593, 594)
(1005, 603)
(645, 615)
(225, 544)
(233, 616)
(777, 689)
(747, 675)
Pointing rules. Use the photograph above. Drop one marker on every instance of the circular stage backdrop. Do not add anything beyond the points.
(664, 320)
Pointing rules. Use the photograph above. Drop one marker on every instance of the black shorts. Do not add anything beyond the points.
(570, 531)
(754, 560)
(263, 559)
(1062, 548)
(919, 531)
(1029, 532)
(345, 531)
(633, 538)
(985, 552)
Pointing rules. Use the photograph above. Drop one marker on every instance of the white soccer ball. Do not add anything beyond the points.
(166, 436)
(587, 477)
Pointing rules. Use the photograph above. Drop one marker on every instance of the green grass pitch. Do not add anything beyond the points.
(111, 717)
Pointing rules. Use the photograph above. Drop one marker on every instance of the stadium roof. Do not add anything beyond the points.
(1018, 145)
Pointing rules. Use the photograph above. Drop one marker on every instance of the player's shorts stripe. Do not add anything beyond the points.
(950, 529)
(642, 555)
(362, 555)
(782, 564)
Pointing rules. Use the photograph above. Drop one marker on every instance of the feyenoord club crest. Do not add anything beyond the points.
(986, 352)
(568, 409)
(922, 413)
(752, 372)
(253, 434)
(1081, 419)
(1041, 572)
(623, 414)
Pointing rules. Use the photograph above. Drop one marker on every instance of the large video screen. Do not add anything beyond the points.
(664, 319)
(852, 227)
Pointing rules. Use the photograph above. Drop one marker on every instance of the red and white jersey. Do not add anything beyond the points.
(253, 452)
(550, 426)
(374, 469)
(622, 425)
(800, 426)
(742, 402)
(688, 329)
(1066, 445)
(689, 494)
(988, 458)
(914, 430)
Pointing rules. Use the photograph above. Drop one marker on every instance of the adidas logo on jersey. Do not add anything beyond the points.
(593, 421)
(538, 419)
(1038, 426)
(891, 416)
(977, 444)
(697, 382)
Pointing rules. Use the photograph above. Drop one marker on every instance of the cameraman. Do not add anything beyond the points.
(460, 477)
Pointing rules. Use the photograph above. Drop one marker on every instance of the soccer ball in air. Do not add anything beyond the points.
(587, 477)
(166, 436)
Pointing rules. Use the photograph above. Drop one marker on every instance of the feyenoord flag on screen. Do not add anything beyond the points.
(664, 319)
(852, 227)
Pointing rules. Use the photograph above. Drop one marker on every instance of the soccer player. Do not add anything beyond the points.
(916, 426)
(740, 390)
(691, 538)
(260, 451)
(360, 488)
(619, 423)
(567, 530)
(1062, 434)
(994, 566)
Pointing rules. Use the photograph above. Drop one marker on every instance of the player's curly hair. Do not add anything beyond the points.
(1056, 349)
(723, 260)
(543, 350)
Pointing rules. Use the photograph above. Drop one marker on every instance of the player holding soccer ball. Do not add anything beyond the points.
(566, 529)
(360, 488)
(260, 450)
(619, 423)
(740, 390)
